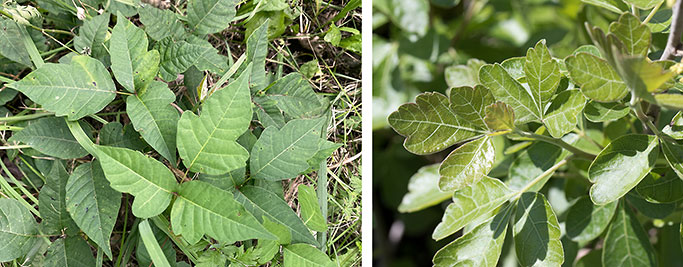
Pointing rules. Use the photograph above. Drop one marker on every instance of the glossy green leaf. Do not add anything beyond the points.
(466, 165)
(92, 203)
(673, 153)
(71, 251)
(508, 90)
(632, 33)
(530, 164)
(207, 143)
(670, 101)
(621, 165)
(132, 172)
(423, 190)
(644, 4)
(310, 210)
(92, 36)
(115, 134)
(515, 67)
(470, 204)
(537, 232)
(51, 137)
(430, 125)
(133, 66)
(595, 77)
(209, 16)
(587, 221)
(81, 88)
(152, 115)
(627, 243)
(542, 74)
(294, 96)
(52, 199)
(661, 188)
(11, 44)
(479, 247)
(284, 153)
(304, 255)
(500, 117)
(18, 230)
(151, 244)
(263, 202)
(601, 112)
(470, 104)
(564, 112)
(160, 23)
(205, 209)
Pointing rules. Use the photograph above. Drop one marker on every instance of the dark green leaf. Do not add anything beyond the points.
(536, 232)
(586, 221)
(626, 242)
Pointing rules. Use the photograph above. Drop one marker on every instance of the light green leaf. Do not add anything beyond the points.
(586, 221)
(283, 234)
(71, 251)
(143, 256)
(133, 66)
(673, 153)
(601, 112)
(205, 209)
(52, 199)
(644, 4)
(675, 128)
(515, 67)
(470, 204)
(304, 255)
(616, 6)
(479, 247)
(642, 76)
(626, 242)
(333, 35)
(115, 134)
(209, 16)
(536, 232)
(500, 117)
(92, 36)
(152, 115)
(423, 190)
(93, 205)
(595, 77)
(650, 209)
(81, 88)
(310, 210)
(293, 95)
(11, 43)
(430, 125)
(466, 165)
(670, 101)
(176, 57)
(160, 23)
(564, 112)
(152, 246)
(209, 58)
(264, 203)
(661, 188)
(542, 74)
(621, 165)
(284, 153)
(508, 90)
(470, 104)
(132, 172)
(464, 75)
(18, 230)
(632, 33)
(207, 143)
(257, 50)
(51, 137)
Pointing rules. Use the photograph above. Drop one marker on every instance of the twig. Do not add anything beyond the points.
(674, 41)
(557, 142)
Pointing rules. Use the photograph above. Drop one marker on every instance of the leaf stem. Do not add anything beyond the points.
(652, 13)
(163, 224)
(80, 136)
(25, 117)
(557, 142)
(645, 120)
(540, 177)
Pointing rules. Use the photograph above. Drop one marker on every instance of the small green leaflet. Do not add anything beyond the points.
(310, 210)
(470, 204)
(595, 77)
(537, 232)
(257, 50)
(542, 74)
(531, 163)
(470, 104)
(500, 117)
(52, 199)
(601, 112)
(644, 4)
(294, 96)
(160, 23)
(92, 36)
(627, 242)
(176, 57)
(130, 171)
(463, 75)
(209, 16)
(586, 221)
(635, 36)
(304, 255)
(93, 205)
(81, 88)
(466, 165)
(423, 190)
(207, 143)
(18, 230)
(661, 188)
(616, 6)
(621, 165)
(71, 251)
(564, 112)
(11, 44)
(673, 153)
(51, 137)
(507, 89)
(133, 66)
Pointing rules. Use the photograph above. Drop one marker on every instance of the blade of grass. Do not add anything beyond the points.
(152, 246)
(31, 47)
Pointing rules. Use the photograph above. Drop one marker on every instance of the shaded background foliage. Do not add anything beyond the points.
(416, 44)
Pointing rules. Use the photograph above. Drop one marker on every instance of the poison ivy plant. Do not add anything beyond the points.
(604, 121)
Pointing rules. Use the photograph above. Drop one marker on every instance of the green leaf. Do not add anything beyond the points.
(542, 74)
(642, 76)
(466, 165)
(333, 35)
(673, 153)
(93, 205)
(500, 117)
(621, 165)
(50, 136)
(133, 66)
(11, 43)
(463, 75)
(176, 57)
(152, 115)
(152, 246)
(283, 234)
(284, 153)
(595, 77)
(52, 199)
(471, 204)
(586, 221)
(264, 203)
(166, 245)
(257, 50)
(228, 181)
(644, 4)
(533, 162)
(130, 171)
(115, 134)
(536, 232)
(209, 57)
(675, 128)
(304, 255)
(430, 125)
(661, 188)
(632, 33)
(92, 36)
(71, 251)
(626, 242)
(209, 16)
(479, 247)
(293, 95)
(205, 209)
(207, 143)
(601, 112)
(616, 6)
(508, 90)
(310, 210)
(670, 101)
(160, 23)
(564, 112)
(650, 209)
(18, 230)
(81, 88)
(514, 66)
(423, 190)
(470, 104)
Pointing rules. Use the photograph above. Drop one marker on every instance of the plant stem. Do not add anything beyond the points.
(652, 13)
(674, 41)
(14, 147)
(25, 117)
(557, 142)
(80, 136)
(645, 120)
(539, 178)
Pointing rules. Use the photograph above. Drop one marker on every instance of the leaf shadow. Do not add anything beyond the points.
(534, 233)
